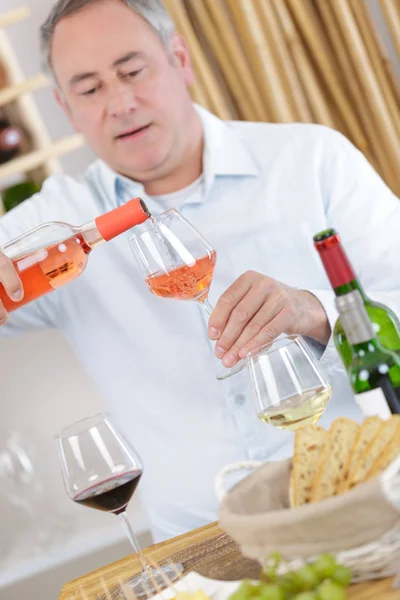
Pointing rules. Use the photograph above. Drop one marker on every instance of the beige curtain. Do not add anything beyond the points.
(319, 61)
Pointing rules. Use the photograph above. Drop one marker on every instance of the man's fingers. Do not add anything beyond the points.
(10, 279)
(278, 325)
(225, 305)
(266, 312)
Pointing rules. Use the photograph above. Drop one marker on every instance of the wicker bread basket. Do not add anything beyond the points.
(361, 527)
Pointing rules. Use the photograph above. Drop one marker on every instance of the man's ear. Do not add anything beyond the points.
(64, 105)
(181, 54)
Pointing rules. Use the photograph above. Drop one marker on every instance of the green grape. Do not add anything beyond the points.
(325, 565)
(329, 590)
(306, 577)
(249, 587)
(246, 590)
(342, 575)
(239, 595)
(306, 596)
(270, 566)
(271, 591)
(288, 583)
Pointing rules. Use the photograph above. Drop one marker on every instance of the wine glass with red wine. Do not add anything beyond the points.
(102, 470)
(176, 262)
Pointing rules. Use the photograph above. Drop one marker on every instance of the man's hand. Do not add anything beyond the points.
(12, 285)
(256, 309)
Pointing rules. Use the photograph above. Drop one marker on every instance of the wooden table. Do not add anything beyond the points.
(210, 552)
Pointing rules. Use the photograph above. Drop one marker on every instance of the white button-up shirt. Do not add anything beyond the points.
(266, 189)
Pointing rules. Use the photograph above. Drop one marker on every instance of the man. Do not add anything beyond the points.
(257, 192)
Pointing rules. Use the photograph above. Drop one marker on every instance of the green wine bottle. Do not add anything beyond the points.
(343, 280)
(374, 371)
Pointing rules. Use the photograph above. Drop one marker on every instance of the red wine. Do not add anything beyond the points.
(111, 495)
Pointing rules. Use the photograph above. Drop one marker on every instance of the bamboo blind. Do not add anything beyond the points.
(319, 61)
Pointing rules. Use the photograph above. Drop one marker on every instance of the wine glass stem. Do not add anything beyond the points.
(207, 306)
(135, 544)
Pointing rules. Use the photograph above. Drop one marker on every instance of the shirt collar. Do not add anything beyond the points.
(224, 154)
(224, 151)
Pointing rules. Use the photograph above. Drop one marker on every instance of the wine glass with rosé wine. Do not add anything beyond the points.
(177, 262)
(101, 470)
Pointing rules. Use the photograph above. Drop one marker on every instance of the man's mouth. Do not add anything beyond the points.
(132, 132)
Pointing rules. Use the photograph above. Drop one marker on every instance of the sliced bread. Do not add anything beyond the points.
(389, 453)
(308, 446)
(388, 431)
(334, 457)
(367, 431)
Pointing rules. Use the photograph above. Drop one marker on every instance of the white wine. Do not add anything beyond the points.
(299, 410)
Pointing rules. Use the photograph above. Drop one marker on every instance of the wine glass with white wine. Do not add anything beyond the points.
(289, 386)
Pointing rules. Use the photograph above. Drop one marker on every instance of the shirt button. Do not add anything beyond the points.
(240, 399)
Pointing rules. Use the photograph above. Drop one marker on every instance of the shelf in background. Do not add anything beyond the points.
(32, 160)
(41, 158)
(14, 16)
(12, 92)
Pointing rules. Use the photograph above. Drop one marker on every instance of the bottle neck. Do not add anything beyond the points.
(91, 235)
(345, 288)
(111, 224)
(337, 265)
(355, 320)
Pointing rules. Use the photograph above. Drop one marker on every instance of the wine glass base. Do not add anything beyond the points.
(225, 373)
(145, 585)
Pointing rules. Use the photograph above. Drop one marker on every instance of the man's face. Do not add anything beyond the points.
(122, 89)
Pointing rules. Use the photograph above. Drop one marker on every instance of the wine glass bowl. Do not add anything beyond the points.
(175, 260)
(290, 388)
(110, 481)
(101, 470)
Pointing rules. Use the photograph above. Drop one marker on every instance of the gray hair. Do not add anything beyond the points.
(152, 11)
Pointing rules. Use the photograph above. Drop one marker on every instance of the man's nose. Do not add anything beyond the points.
(121, 100)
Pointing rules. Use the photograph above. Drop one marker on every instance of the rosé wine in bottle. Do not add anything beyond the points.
(56, 253)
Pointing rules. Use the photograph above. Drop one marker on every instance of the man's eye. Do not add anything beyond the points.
(90, 92)
(134, 73)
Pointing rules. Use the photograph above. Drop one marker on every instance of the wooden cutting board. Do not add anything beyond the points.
(207, 550)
